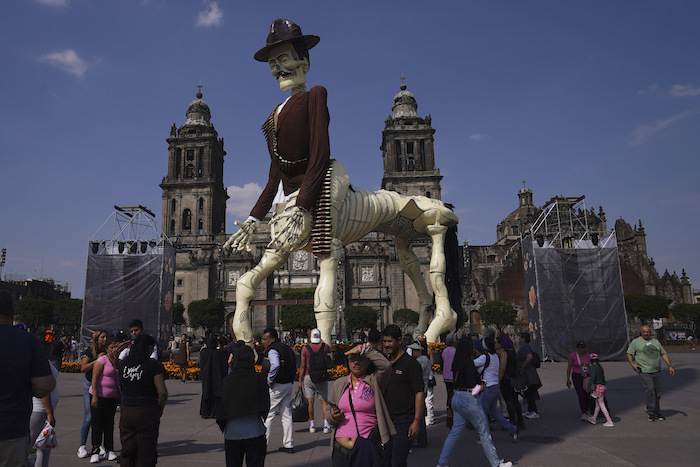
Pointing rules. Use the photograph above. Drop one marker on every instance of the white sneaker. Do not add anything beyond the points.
(312, 429)
(82, 452)
(327, 429)
(95, 459)
(103, 451)
(110, 456)
(531, 415)
(505, 464)
(584, 417)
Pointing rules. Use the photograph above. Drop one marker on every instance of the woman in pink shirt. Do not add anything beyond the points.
(104, 401)
(577, 371)
(369, 374)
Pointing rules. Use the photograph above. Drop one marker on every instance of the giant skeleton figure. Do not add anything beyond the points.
(316, 208)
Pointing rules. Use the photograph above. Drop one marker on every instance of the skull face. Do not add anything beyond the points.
(287, 68)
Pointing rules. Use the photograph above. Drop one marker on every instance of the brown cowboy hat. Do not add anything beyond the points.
(281, 32)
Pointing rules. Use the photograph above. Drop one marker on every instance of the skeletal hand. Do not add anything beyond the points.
(241, 239)
(295, 231)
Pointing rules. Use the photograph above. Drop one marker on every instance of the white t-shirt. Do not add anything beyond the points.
(491, 373)
(37, 406)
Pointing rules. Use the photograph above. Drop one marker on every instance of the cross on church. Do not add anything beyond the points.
(523, 183)
(403, 79)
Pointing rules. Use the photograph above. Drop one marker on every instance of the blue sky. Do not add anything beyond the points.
(595, 98)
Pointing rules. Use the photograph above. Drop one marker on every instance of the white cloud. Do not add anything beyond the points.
(242, 199)
(644, 133)
(211, 16)
(684, 90)
(67, 61)
(53, 2)
(478, 137)
(653, 89)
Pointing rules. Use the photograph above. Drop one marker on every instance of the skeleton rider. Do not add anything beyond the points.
(297, 139)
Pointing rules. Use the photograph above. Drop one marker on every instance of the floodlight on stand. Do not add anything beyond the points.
(132, 247)
(95, 247)
(152, 244)
(595, 238)
(540, 241)
(144, 247)
(121, 247)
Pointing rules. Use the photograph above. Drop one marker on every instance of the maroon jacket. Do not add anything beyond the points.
(302, 132)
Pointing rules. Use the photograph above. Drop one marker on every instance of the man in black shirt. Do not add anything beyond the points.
(404, 398)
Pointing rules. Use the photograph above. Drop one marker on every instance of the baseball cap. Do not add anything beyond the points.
(594, 356)
(315, 336)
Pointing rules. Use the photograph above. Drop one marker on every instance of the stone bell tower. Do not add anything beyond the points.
(407, 150)
(194, 202)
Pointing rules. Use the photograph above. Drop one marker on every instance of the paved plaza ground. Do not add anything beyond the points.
(556, 439)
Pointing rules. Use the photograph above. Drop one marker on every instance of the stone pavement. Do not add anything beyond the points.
(556, 439)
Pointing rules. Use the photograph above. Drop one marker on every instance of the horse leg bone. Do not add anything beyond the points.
(445, 318)
(411, 266)
(246, 286)
(324, 298)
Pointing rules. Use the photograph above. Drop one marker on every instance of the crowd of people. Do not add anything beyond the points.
(376, 415)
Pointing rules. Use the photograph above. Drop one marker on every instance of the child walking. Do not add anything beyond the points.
(597, 381)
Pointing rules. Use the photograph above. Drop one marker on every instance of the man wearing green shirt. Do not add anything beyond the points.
(644, 355)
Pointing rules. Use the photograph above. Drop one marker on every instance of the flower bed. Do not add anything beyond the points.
(70, 367)
(172, 371)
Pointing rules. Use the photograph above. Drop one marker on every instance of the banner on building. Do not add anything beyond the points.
(575, 293)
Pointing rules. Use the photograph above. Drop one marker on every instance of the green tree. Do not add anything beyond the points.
(297, 316)
(688, 314)
(67, 314)
(360, 317)
(179, 314)
(405, 317)
(35, 312)
(208, 313)
(646, 307)
(498, 313)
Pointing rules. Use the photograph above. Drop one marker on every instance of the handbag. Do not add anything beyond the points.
(431, 380)
(364, 452)
(300, 407)
(518, 383)
(47, 438)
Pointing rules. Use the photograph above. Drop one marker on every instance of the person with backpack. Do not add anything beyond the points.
(528, 361)
(280, 367)
(313, 377)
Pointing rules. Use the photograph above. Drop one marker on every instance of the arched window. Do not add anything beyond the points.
(201, 205)
(172, 226)
(186, 219)
(201, 225)
(173, 205)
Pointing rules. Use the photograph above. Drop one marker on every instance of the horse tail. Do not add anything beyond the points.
(454, 288)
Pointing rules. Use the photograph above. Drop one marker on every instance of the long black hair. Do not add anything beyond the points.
(140, 349)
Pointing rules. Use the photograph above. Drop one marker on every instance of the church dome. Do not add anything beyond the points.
(405, 104)
(198, 112)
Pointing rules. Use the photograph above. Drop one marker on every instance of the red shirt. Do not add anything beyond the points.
(315, 347)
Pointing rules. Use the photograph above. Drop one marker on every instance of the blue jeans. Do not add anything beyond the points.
(88, 416)
(488, 400)
(467, 408)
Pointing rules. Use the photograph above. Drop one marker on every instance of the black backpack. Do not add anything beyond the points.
(288, 363)
(318, 368)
